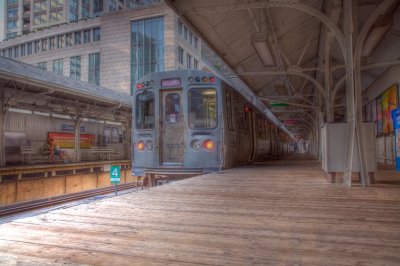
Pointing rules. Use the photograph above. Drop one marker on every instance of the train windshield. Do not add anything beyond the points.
(145, 110)
(202, 108)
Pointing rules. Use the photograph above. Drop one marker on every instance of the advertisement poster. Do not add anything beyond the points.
(396, 124)
(389, 103)
(66, 140)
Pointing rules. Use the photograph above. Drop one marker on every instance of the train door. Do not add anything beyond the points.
(172, 128)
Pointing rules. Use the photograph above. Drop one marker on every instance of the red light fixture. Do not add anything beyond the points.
(138, 86)
(246, 108)
(208, 145)
(212, 79)
(140, 146)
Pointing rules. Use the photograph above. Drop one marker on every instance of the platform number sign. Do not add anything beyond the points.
(115, 174)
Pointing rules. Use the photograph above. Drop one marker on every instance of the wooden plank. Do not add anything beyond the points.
(7, 193)
(277, 213)
(53, 186)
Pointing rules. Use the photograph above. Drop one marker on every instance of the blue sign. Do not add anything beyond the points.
(396, 126)
(65, 127)
(115, 174)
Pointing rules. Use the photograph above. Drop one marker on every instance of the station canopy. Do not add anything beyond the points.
(31, 88)
(284, 49)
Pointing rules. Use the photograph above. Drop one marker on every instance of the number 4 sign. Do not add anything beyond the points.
(115, 174)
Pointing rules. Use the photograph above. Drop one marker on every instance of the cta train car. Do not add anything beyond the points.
(191, 122)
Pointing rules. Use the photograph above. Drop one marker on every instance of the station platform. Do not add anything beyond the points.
(274, 213)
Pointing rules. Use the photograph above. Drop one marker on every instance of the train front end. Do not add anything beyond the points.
(176, 127)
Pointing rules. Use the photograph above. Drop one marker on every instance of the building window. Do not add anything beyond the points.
(86, 36)
(40, 19)
(190, 38)
(147, 47)
(98, 7)
(23, 49)
(196, 42)
(180, 27)
(94, 68)
(188, 61)
(56, 16)
(85, 12)
(180, 55)
(195, 63)
(60, 41)
(42, 65)
(40, 6)
(73, 10)
(78, 38)
(16, 51)
(12, 13)
(68, 39)
(44, 45)
(12, 24)
(37, 46)
(75, 68)
(56, 3)
(112, 5)
(11, 35)
(58, 66)
(52, 43)
(10, 53)
(29, 48)
(96, 34)
(185, 33)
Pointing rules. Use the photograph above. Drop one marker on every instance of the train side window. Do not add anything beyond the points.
(228, 112)
(172, 108)
(144, 113)
(202, 108)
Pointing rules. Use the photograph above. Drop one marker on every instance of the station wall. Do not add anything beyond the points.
(36, 127)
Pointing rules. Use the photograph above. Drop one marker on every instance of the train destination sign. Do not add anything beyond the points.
(170, 82)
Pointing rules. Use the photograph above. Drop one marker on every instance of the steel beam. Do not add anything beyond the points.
(351, 108)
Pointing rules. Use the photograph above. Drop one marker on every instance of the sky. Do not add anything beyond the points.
(2, 19)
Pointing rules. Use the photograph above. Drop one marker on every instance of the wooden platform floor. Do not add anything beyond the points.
(277, 213)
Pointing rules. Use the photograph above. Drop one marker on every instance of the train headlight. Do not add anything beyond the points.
(140, 146)
(149, 145)
(208, 145)
(195, 144)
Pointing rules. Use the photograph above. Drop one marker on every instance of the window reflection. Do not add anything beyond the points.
(202, 108)
(144, 114)
(172, 108)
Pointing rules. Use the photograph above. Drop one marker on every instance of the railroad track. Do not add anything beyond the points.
(57, 200)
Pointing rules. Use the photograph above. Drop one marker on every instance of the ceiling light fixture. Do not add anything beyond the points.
(260, 44)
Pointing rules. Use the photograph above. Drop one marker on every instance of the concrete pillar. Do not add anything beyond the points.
(2, 119)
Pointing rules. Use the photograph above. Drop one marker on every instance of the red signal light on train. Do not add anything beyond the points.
(140, 146)
(142, 85)
(212, 79)
(208, 145)
(246, 109)
(138, 86)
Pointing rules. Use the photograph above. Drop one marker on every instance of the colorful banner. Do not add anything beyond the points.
(389, 103)
(66, 140)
